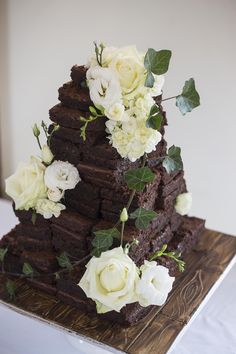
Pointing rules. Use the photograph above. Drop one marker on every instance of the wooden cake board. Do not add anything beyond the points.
(158, 332)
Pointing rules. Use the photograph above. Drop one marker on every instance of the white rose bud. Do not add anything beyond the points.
(124, 215)
(47, 155)
(55, 195)
(36, 130)
(183, 203)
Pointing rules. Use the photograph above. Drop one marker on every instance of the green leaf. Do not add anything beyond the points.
(149, 82)
(189, 98)
(27, 269)
(138, 177)
(10, 288)
(113, 232)
(173, 161)
(155, 118)
(3, 252)
(64, 262)
(103, 240)
(157, 62)
(143, 217)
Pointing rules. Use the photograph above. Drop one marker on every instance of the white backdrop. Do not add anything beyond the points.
(41, 40)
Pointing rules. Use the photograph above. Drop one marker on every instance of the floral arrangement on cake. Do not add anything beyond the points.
(125, 86)
(41, 183)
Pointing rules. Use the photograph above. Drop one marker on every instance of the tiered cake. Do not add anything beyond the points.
(95, 204)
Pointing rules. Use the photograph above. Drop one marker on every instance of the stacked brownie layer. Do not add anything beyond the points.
(96, 203)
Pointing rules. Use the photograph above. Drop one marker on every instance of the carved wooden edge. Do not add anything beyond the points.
(212, 256)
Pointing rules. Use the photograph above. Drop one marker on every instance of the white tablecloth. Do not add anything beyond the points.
(212, 332)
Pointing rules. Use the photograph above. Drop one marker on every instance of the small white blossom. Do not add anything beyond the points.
(183, 203)
(116, 112)
(55, 195)
(48, 209)
(133, 139)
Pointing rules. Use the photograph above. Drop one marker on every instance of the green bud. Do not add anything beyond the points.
(36, 130)
(124, 215)
(93, 111)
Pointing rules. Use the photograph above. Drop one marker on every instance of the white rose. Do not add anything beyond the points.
(128, 64)
(47, 155)
(116, 112)
(133, 139)
(104, 87)
(55, 195)
(154, 285)
(27, 185)
(61, 175)
(48, 209)
(110, 280)
(183, 203)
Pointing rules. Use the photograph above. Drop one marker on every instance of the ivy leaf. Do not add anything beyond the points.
(149, 82)
(138, 177)
(103, 240)
(189, 98)
(3, 252)
(143, 217)
(155, 118)
(113, 232)
(10, 288)
(157, 62)
(64, 262)
(28, 270)
(173, 161)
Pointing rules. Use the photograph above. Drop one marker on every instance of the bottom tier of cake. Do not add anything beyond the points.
(38, 249)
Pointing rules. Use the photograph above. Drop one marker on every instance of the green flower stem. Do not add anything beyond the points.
(129, 204)
(122, 233)
(39, 144)
(22, 276)
(167, 99)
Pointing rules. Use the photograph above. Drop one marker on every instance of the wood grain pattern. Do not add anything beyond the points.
(157, 331)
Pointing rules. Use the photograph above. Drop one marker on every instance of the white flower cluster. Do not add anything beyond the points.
(41, 184)
(117, 89)
(113, 281)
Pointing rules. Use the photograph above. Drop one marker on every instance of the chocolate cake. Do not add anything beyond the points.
(96, 203)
